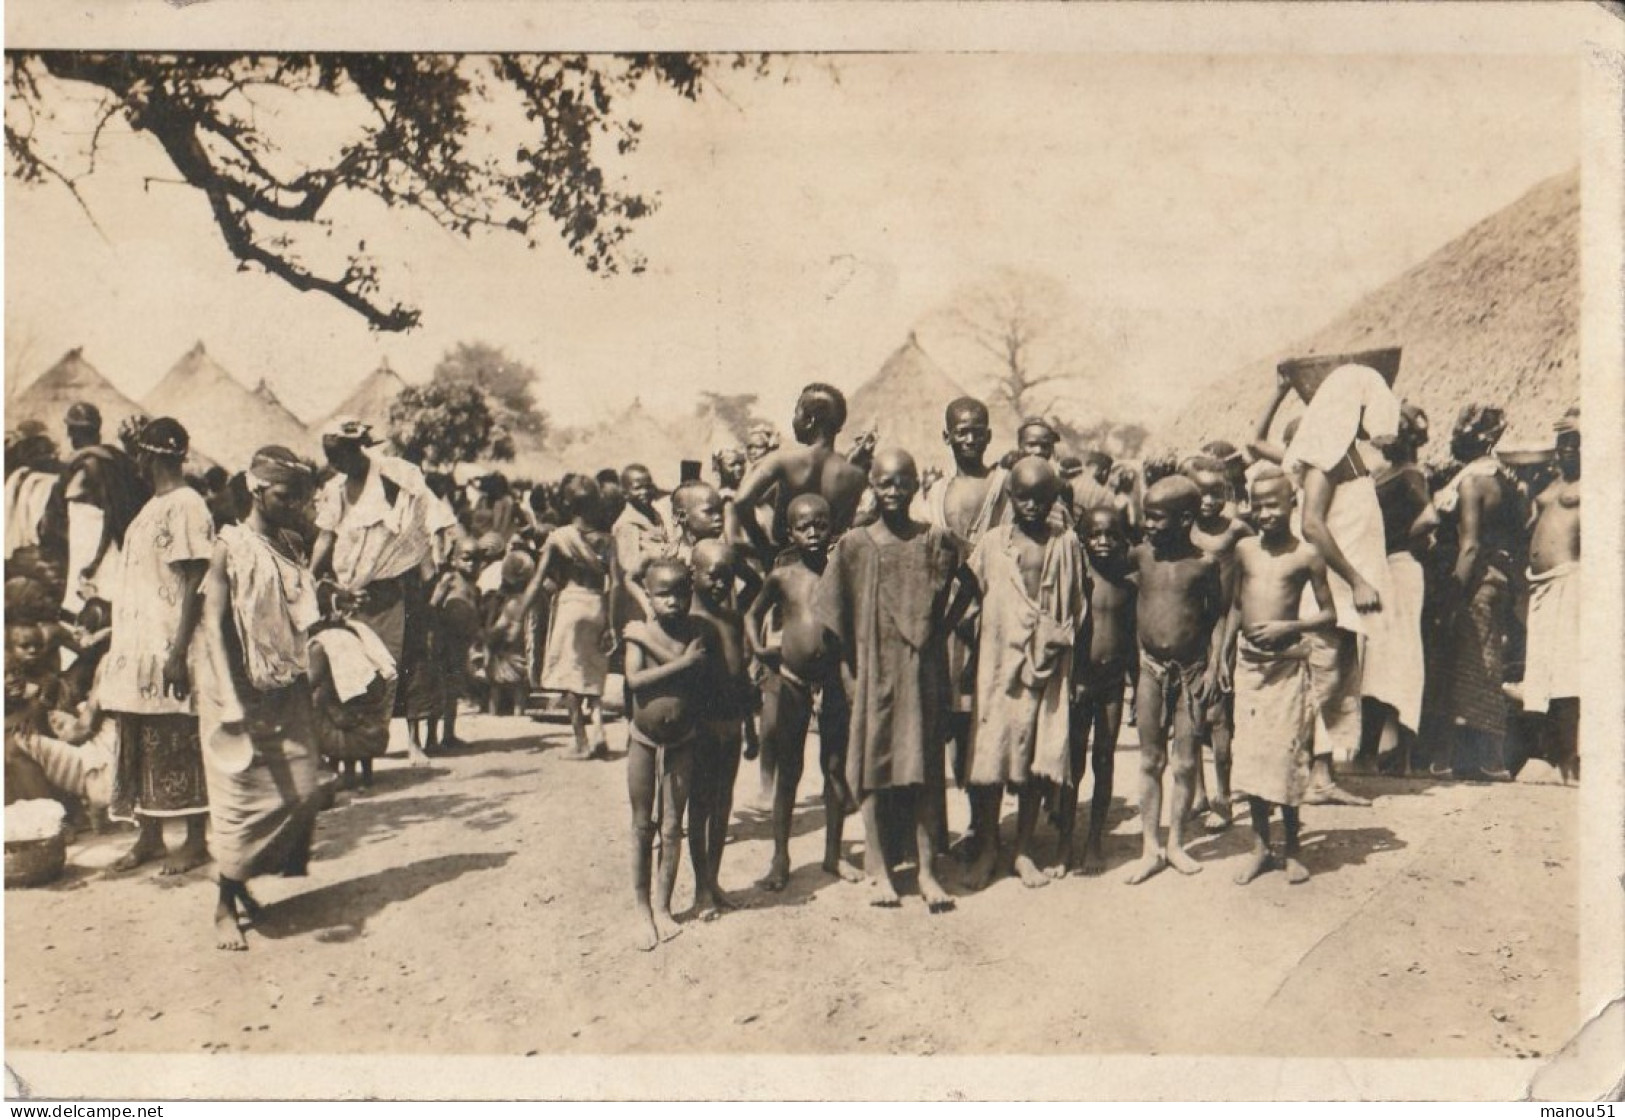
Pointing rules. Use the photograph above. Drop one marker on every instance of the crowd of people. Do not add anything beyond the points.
(1323, 604)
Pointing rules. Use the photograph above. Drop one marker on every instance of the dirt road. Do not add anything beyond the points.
(481, 907)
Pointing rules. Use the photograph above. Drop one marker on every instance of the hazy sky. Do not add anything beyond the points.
(1203, 211)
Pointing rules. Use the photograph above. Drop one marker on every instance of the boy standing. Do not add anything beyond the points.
(1216, 532)
(813, 468)
(802, 664)
(1030, 579)
(885, 597)
(1181, 600)
(1106, 657)
(1275, 715)
(725, 706)
(667, 668)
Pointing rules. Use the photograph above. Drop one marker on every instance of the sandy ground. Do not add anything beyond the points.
(482, 907)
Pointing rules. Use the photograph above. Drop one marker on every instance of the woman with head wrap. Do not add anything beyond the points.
(254, 693)
(1394, 667)
(1480, 547)
(145, 681)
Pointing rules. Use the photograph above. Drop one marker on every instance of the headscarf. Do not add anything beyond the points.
(276, 465)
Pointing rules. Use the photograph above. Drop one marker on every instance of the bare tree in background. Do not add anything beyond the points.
(1019, 330)
(422, 138)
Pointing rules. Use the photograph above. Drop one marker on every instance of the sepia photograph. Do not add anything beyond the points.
(813, 551)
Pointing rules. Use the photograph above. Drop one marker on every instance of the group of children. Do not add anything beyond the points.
(1009, 621)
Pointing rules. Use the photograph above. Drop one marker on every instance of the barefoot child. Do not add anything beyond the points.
(455, 621)
(1030, 580)
(801, 666)
(1181, 600)
(667, 670)
(886, 598)
(967, 504)
(725, 706)
(1216, 532)
(1275, 716)
(1105, 658)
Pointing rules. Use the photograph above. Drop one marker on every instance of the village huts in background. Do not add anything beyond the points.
(903, 404)
(369, 401)
(48, 396)
(634, 435)
(223, 416)
(1493, 317)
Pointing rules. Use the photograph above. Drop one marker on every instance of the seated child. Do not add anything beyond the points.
(1275, 718)
(350, 671)
(668, 666)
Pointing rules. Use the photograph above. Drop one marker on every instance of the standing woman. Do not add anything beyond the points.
(145, 682)
(1481, 539)
(254, 698)
(1395, 670)
(577, 558)
(376, 545)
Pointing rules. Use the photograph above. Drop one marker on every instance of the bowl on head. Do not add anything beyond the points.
(1525, 455)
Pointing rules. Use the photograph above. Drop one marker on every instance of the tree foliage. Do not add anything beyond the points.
(423, 140)
(1017, 331)
(508, 384)
(440, 424)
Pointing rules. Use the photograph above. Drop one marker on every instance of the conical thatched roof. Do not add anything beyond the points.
(1491, 317)
(903, 403)
(225, 418)
(48, 396)
(369, 401)
(635, 436)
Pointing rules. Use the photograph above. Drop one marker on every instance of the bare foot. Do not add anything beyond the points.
(1031, 876)
(1258, 863)
(1094, 860)
(882, 892)
(184, 859)
(984, 870)
(417, 759)
(843, 871)
(644, 934)
(1334, 794)
(142, 852)
(576, 754)
(937, 900)
(667, 926)
(1180, 860)
(1058, 870)
(778, 876)
(226, 934)
(1147, 867)
(1295, 871)
(1219, 816)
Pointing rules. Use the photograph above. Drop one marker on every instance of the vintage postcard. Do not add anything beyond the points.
(813, 551)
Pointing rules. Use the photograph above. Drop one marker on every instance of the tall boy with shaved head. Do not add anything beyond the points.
(966, 504)
(813, 468)
(887, 598)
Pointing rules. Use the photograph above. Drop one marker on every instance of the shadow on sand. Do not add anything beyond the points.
(340, 911)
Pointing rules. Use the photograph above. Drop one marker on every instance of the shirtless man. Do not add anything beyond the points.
(1275, 719)
(667, 669)
(967, 504)
(1181, 601)
(725, 708)
(813, 468)
(1551, 676)
(1216, 533)
(1105, 658)
(803, 663)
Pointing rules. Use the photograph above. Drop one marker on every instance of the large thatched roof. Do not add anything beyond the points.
(226, 419)
(1491, 317)
(369, 401)
(903, 403)
(48, 396)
